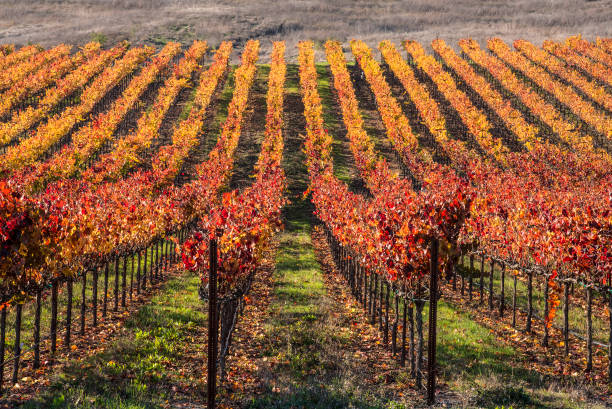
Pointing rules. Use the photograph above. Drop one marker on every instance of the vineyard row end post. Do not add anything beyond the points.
(433, 310)
(212, 324)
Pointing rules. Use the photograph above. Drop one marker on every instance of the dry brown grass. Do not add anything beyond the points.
(49, 22)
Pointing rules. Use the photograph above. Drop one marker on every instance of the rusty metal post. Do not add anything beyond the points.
(2, 344)
(433, 318)
(212, 324)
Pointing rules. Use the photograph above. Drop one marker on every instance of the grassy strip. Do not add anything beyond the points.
(28, 313)
(332, 118)
(253, 130)
(140, 369)
(487, 372)
(296, 327)
(222, 107)
(577, 313)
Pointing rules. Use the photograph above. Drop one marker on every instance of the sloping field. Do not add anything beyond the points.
(154, 22)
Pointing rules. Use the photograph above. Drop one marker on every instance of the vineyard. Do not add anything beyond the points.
(441, 201)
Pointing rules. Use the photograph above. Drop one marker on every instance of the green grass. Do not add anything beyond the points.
(577, 314)
(137, 370)
(332, 118)
(253, 130)
(222, 105)
(465, 344)
(188, 105)
(226, 96)
(296, 330)
(472, 359)
(158, 40)
(298, 334)
(98, 37)
(28, 312)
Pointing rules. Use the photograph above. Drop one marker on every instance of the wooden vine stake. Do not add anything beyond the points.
(529, 301)
(470, 278)
(453, 273)
(105, 289)
(371, 305)
(366, 291)
(168, 255)
(374, 297)
(380, 304)
(362, 284)
(94, 296)
(491, 285)
(138, 275)
(53, 325)
(481, 283)
(36, 363)
(364, 294)
(433, 318)
(395, 325)
(412, 343)
(124, 282)
(610, 335)
(514, 301)
(144, 270)
(386, 333)
(17, 346)
(132, 278)
(116, 306)
(68, 313)
(566, 316)
(462, 283)
(83, 301)
(589, 311)
(419, 327)
(502, 300)
(403, 354)
(545, 338)
(157, 263)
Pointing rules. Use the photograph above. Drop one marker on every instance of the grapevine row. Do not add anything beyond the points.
(8, 60)
(31, 149)
(89, 139)
(23, 120)
(125, 154)
(250, 218)
(590, 88)
(473, 118)
(18, 72)
(596, 69)
(41, 79)
(588, 49)
(604, 44)
(547, 113)
(6, 49)
(581, 108)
